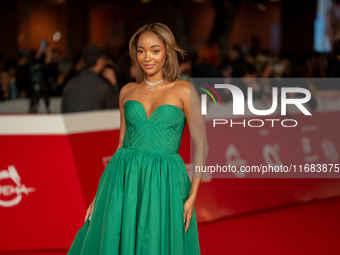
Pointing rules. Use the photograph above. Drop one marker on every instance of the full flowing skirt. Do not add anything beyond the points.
(139, 208)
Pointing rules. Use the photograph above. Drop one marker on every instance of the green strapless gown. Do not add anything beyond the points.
(139, 207)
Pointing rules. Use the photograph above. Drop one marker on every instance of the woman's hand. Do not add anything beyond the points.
(89, 210)
(188, 210)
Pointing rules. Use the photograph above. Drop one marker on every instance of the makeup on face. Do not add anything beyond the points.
(151, 53)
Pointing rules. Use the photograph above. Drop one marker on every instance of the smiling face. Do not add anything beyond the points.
(151, 54)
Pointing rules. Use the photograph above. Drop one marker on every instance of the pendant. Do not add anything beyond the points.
(152, 85)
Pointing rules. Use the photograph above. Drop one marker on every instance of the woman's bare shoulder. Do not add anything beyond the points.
(125, 92)
(183, 87)
(127, 88)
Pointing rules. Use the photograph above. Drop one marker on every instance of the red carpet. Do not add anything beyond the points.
(311, 229)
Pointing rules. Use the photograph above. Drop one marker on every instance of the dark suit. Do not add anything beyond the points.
(88, 92)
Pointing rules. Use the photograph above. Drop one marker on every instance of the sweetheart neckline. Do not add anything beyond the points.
(146, 116)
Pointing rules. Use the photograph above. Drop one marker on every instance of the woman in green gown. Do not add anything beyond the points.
(145, 199)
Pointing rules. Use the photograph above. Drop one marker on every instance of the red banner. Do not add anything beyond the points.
(42, 202)
(314, 141)
(47, 181)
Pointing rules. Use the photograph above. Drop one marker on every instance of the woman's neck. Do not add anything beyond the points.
(154, 78)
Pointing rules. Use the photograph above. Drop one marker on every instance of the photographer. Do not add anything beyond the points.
(38, 78)
(88, 91)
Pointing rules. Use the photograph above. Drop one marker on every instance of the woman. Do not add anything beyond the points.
(145, 200)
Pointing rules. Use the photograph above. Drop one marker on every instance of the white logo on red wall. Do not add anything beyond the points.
(11, 194)
(271, 154)
(234, 159)
(330, 151)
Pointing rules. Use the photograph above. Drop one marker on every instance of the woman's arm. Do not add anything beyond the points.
(121, 138)
(196, 125)
(122, 95)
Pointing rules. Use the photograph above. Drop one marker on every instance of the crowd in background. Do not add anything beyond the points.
(45, 74)
(52, 72)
